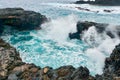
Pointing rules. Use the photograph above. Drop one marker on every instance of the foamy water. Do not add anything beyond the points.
(51, 46)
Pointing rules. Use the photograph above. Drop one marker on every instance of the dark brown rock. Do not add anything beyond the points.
(100, 27)
(112, 64)
(107, 11)
(81, 73)
(65, 72)
(11, 65)
(21, 19)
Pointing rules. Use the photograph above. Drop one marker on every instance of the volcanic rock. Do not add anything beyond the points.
(20, 18)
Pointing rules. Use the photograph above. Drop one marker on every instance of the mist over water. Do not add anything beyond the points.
(51, 45)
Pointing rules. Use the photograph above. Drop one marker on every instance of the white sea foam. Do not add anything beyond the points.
(92, 8)
(102, 46)
(51, 46)
(60, 28)
(34, 4)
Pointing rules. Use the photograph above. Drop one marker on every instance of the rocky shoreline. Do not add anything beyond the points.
(13, 68)
(100, 2)
(20, 19)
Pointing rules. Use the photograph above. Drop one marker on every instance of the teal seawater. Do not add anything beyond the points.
(56, 12)
(43, 48)
(47, 52)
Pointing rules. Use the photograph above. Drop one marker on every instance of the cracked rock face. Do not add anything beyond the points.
(9, 58)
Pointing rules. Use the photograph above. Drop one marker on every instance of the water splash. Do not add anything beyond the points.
(101, 46)
(60, 28)
(52, 47)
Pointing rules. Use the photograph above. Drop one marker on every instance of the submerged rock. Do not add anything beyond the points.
(20, 18)
(82, 9)
(107, 10)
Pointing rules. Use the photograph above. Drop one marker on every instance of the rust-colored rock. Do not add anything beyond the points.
(45, 70)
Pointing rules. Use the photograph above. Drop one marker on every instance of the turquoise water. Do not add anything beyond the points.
(55, 12)
(51, 46)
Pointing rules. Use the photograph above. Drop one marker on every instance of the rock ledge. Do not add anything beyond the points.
(20, 18)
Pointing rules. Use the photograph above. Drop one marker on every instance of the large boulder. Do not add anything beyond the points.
(20, 18)
(65, 72)
(81, 73)
(100, 27)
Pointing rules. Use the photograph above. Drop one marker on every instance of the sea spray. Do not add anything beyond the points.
(101, 45)
(51, 46)
(60, 28)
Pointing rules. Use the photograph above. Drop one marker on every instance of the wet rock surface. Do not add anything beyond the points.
(12, 68)
(97, 11)
(20, 18)
(100, 27)
(108, 10)
(112, 66)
